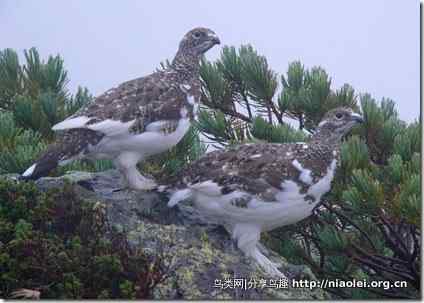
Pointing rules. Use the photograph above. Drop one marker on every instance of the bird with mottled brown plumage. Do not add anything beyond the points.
(134, 120)
(253, 188)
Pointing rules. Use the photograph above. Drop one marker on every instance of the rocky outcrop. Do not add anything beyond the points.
(202, 259)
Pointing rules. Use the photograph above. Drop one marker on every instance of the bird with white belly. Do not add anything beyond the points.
(135, 120)
(253, 188)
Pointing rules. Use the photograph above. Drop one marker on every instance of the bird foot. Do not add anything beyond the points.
(144, 184)
(268, 266)
(273, 270)
(116, 190)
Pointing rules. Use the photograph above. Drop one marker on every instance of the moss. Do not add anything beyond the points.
(61, 245)
(194, 262)
(208, 252)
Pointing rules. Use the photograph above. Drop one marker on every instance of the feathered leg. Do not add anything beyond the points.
(247, 236)
(126, 163)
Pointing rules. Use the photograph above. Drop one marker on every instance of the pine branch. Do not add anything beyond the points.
(339, 214)
(403, 252)
(367, 260)
(274, 110)
(246, 102)
(236, 114)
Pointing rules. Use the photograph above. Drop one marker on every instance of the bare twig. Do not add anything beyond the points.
(351, 223)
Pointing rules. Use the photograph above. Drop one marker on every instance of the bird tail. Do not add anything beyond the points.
(44, 164)
(69, 147)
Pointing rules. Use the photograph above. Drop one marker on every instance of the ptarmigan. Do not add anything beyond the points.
(137, 119)
(258, 187)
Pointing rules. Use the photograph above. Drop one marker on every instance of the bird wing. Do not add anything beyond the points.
(246, 166)
(259, 169)
(131, 106)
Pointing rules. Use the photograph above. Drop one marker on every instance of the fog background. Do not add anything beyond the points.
(372, 45)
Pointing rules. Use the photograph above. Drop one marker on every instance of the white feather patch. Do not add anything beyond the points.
(208, 188)
(356, 115)
(161, 188)
(157, 126)
(323, 185)
(144, 144)
(179, 196)
(29, 171)
(255, 156)
(108, 127)
(111, 127)
(289, 193)
(322, 123)
(290, 208)
(305, 174)
(183, 112)
(77, 122)
(185, 87)
(190, 100)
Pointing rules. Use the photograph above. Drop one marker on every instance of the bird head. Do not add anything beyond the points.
(337, 123)
(198, 41)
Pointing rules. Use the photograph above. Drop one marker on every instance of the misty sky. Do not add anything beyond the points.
(372, 45)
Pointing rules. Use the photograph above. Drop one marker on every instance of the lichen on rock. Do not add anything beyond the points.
(193, 253)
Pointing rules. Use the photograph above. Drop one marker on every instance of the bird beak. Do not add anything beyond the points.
(215, 39)
(357, 118)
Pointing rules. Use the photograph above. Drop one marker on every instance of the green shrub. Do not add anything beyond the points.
(63, 247)
(34, 97)
(368, 226)
(18, 146)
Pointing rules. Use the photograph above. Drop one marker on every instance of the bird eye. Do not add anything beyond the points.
(197, 35)
(339, 115)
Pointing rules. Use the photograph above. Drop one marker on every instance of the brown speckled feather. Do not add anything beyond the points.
(166, 96)
(156, 97)
(257, 167)
(261, 169)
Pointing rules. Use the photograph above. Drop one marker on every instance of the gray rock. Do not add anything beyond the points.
(198, 254)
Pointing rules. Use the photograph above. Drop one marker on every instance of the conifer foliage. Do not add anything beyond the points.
(368, 226)
(34, 96)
